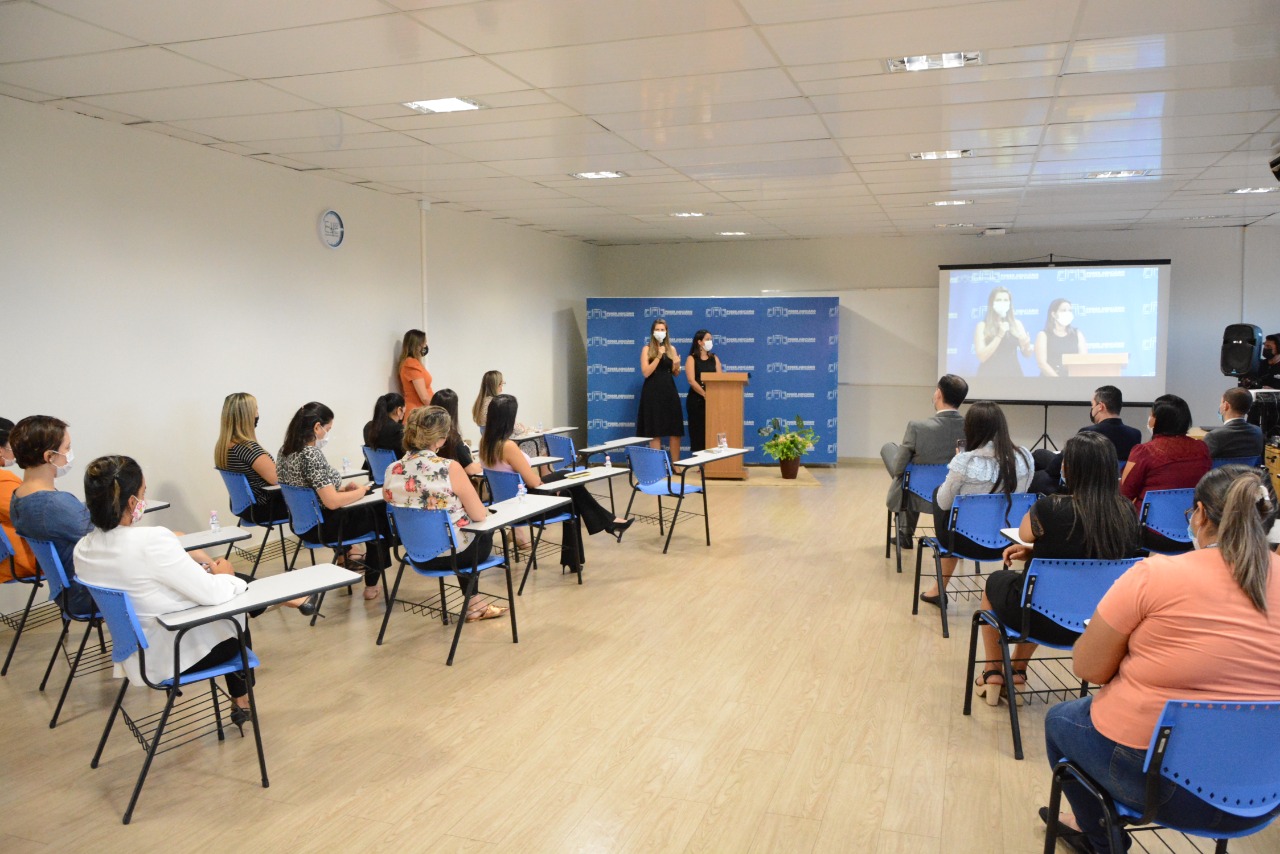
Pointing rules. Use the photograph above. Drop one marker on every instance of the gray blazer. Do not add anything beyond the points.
(1236, 438)
(928, 442)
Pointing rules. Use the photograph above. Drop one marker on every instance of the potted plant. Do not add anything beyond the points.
(788, 445)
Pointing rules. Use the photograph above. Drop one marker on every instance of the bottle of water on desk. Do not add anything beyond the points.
(214, 525)
(346, 465)
(608, 461)
(521, 492)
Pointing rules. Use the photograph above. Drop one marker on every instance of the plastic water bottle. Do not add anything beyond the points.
(214, 525)
(521, 492)
(608, 461)
(539, 426)
(346, 464)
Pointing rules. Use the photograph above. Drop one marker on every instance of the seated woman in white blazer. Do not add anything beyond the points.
(151, 566)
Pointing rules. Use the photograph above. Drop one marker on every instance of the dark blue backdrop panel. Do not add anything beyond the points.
(788, 345)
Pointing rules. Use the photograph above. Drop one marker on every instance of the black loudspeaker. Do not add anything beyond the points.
(1241, 350)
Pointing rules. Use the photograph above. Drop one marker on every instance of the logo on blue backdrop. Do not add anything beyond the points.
(784, 368)
(831, 393)
(602, 314)
(603, 424)
(831, 447)
(721, 311)
(833, 340)
(726, 340)
(786, 340)
(659, 311)
(780, 311)
(833, 367)
(604, 395)
(740, 369)
(608, 369)
(779, 394)
(834, 311)
(601, 341)
(831, 422)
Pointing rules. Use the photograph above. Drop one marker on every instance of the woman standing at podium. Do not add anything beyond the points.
(699, 362)
(660, 413)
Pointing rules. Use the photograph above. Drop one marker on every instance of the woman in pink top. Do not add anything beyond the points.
(1203, 625)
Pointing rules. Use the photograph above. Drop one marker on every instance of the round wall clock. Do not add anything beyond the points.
(331, 229)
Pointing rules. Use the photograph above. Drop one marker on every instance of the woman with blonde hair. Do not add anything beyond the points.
(238, 451)
(491, 385)
(415, 379)
(425, 480)
(660, 413)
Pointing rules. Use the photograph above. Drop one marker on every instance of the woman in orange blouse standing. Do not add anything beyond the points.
(415, 379)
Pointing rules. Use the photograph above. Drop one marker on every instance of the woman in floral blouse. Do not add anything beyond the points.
(424, 480)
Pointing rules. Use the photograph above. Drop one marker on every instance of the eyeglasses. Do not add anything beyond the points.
(1188, 513)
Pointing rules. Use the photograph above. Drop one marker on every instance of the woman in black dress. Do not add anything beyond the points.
(999, 337)
(1058, 338)
(660, 414)
(699, 362)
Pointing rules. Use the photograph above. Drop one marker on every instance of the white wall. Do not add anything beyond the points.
(1219, 277)
(512, 300)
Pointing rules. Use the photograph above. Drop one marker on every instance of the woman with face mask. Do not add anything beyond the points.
(999, 337)
(303, 464)
(1058, 338)
(40, 511)
(699, 361)
(238, 451)
(660, 412)
(24, 561)
(415, 379)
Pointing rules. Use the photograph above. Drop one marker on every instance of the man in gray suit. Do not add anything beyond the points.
(1236, 437)
(928, 442)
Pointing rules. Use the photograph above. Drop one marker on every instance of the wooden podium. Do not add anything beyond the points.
(1094, 365)
(724, 415)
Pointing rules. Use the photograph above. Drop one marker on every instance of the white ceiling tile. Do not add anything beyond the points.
(28, 31)
(501, 26)
(936, 96)
(957, 118)
(1258, 72)
(582, 145)
(243, 97)
(774, 12)
(1141, 129)
(419, 121)
(26, 94)
(342, 46)
(1120, 17)
(467, 77)
(176, 133)
(341, 142)
(882, 81)
(668, 93)
(1159, 50)
(161, 21)
(125, 70)
(706, 113)
(327, 124)
(96, 112)
(728, 133)
(355, 158)
(564, 126)
(668, 56)
(534, 167)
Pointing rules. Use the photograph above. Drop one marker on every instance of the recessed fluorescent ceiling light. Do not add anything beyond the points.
(1253, 190)
(595, 176)
(444, 105)
(942, 155)
(733, 233)
(1210, 216)
(955, 225)
(1117, 173)
(949, 202)
(937, 60)
(688, 213)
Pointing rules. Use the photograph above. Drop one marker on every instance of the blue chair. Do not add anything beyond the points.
(504, 485)
(428, 534)
(51, 566)
(379, 461)
(305, 516)
(126, 632)
(562, 446)
(1251, 462)
(651, 474)
(1224, 752)
(1066, 592)
(979, 518)
(241, 495)
(27, 617)
(1164, 512)
(922, 481)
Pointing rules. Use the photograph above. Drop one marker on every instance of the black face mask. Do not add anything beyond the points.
(256, 419)
(425, 350)
(1268, 354)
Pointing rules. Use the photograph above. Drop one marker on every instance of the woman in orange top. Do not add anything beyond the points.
(1199, 625)
(415, 379)
(24, 560)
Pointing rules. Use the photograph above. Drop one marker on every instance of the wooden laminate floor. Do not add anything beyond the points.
(770, 693)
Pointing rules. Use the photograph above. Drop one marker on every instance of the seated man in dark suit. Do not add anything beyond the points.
(1236, 437)
(928, 442)
(1104, 412)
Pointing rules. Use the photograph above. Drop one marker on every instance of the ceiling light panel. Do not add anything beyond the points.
(933, 62)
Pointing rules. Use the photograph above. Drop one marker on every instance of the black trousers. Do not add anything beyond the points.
(224, 653)
(353, 521)
(270, 508)
(481, 547)
(951, 541)
(590, 513)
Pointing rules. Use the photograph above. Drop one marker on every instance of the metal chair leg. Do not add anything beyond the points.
(671, 529)
(942, 592)
(151, 753)
(71, 674)
(468, 591)
(253, 573)
(511, 602)
(915, 596)
(111, 719)
(973, 655)
(386, 616)
(706, 518)
(1007, 666)
(21, 625)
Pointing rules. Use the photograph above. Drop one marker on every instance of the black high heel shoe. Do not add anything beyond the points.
(239, 716)
(310, 606)
(620, 528)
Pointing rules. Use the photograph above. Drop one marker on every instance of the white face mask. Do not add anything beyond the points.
(659, 335)
(138, 510)
(1001, 307)
(322, 441)
(706, 344)
(6, 461)
(1065, 318)
(60, 471)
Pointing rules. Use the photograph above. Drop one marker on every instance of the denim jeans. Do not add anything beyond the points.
(1069, 734)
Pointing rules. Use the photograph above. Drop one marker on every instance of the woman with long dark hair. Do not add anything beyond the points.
(453, 448)
(1090, 520)
(699, 361)
(1196, 626)
(1058, 338)
(385, 430)
(999, 337)
(1171, 460)
(498, 452)
(989, 463)
(303, 464)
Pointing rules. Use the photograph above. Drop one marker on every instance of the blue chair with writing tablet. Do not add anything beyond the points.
(651, 475)
(562, 446)
(1163, 517)
(51, 565)
(183, 712)
(379, 461)
(242, 500)
(920, 480)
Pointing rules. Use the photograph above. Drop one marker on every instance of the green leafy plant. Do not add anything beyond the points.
(786, 443)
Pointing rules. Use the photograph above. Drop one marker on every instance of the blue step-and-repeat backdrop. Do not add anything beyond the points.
(788, 345)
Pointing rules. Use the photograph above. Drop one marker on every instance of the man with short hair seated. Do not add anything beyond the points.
(1236, 437)
(1104, 412)
(928, 442)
